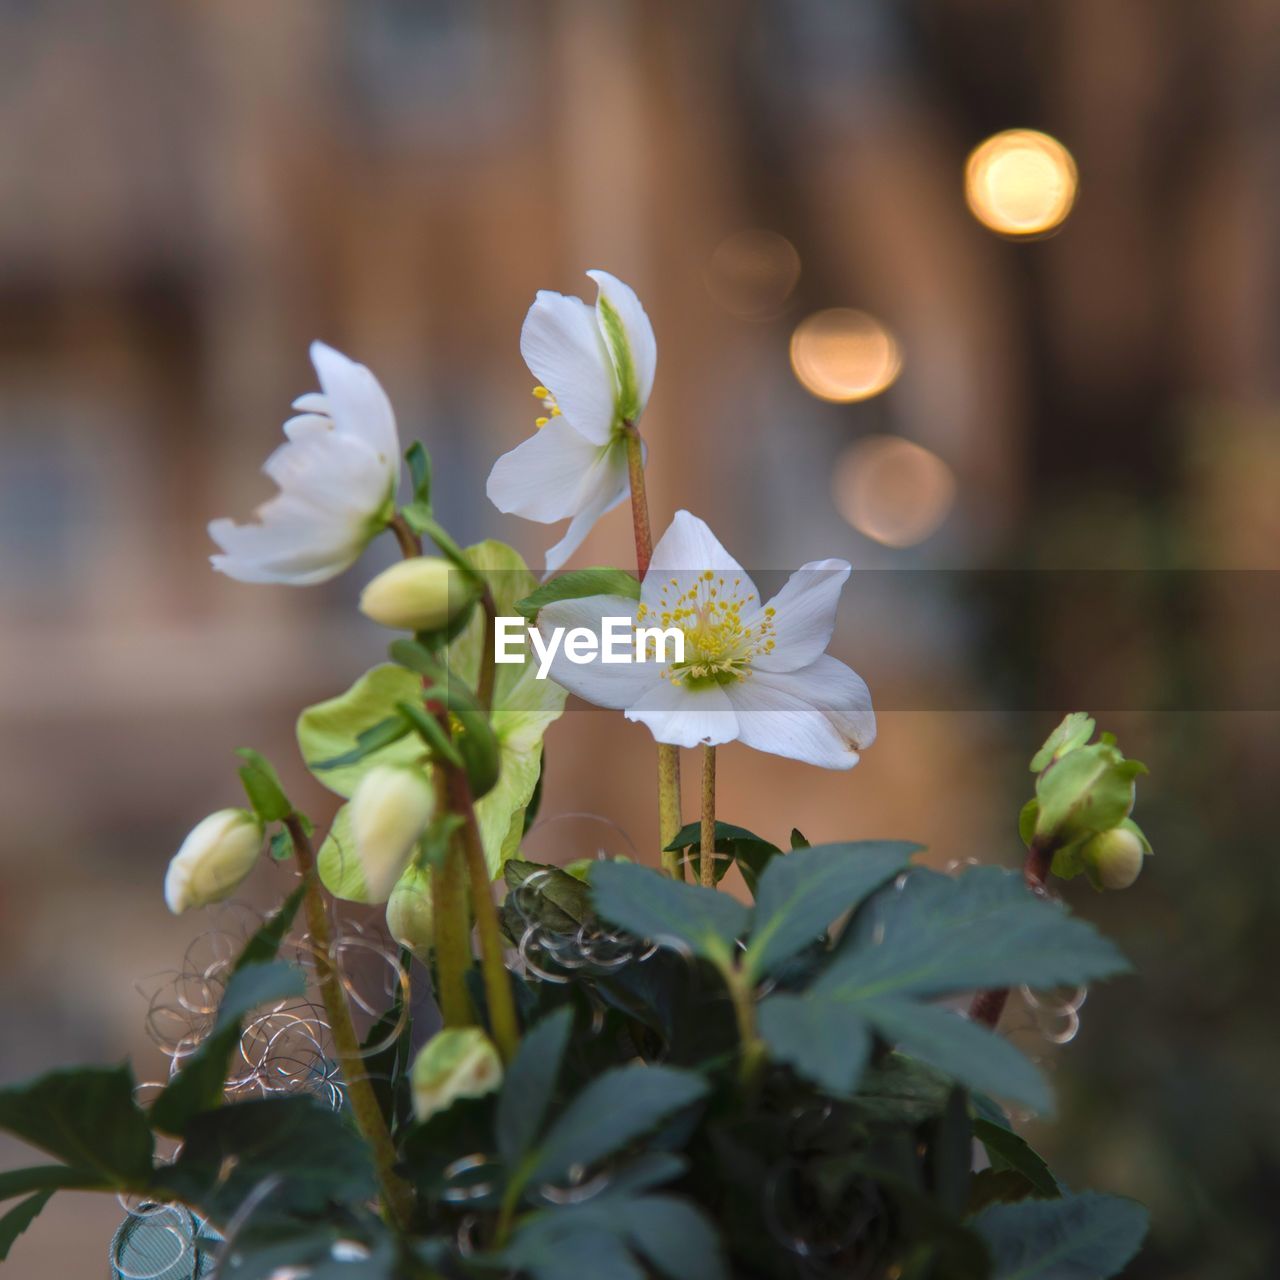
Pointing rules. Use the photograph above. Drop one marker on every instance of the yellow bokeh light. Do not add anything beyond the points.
(844, 355)
(892, 490)
(1020, 182)
(752, 273)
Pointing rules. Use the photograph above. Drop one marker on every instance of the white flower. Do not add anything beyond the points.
(389, 812)
(595, 368)
(337, 474)
(214, 858)
(752, 672)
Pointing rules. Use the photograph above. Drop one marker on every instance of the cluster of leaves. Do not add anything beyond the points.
(777, 1088)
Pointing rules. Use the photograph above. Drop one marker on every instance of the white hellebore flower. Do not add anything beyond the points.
(753, 672)
(214, 858)
(389, 812)
(595, 368)
(337, 474)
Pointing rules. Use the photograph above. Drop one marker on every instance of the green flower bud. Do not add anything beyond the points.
(1113, 859)
(214, 858)
(1087, 790)
(425, 593)
(459, 1062)
(411, 913)
(389, 812)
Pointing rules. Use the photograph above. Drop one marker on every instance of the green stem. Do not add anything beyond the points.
(707, 849)
(410, 543)
(497, 981)
(397, 1195)
(668, 756)
(751, 1047)
(488, 670)
(453, 927)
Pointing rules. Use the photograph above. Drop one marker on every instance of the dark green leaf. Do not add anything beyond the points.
(613, 1110)
(674, 1236)
(1007, 1151)
(87, 1117)
(19, 1218)
(572, 1252)
(939, 935)
(824, 1041)
(262, 786)
(530, 1081)
(377, 736)
(1079, 1237)
(48, 1177)
(749, 851)
(578, 583)
(801, 893)
(387, 1054)
(666, 911)
(549, 896)
(281, 846)
(419, 461)
(797, 839)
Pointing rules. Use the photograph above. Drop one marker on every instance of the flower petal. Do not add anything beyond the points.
(358, 404)
(565, 352)
(641, 347)
(604, 486)
(804, 615)
(607, 684)
(686, 551)
(821, 714)
(686, 717)
(542, 478)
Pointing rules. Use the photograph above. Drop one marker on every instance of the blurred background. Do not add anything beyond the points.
(982, 295)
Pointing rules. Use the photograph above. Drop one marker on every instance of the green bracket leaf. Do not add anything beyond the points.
(262, 786)
(577, 583)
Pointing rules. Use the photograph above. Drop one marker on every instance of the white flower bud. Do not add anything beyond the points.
(389, 812)
(411, 913)
(459, 1062)
(214, 858)
(422, 594)
(1113, 859)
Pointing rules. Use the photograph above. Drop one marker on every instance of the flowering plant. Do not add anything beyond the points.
(630, 1074)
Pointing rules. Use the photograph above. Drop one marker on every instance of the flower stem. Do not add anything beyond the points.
(707, 848)
(453, 928)
(410, 543)
(488, 658)
(397, 1196)
(751, 1046)
(497, 981)
(668, 756)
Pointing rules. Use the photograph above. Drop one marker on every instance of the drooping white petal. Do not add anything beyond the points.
(358, 404)
(685, 717)
(820, 714)
(333, 472)
(686, 551)
(606, 684)
(804, 615)
(542, 478)
(642, 346)
(604, 486)
(564, 350)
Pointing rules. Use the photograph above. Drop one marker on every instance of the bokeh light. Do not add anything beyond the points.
(1020, 182)
(844, 355)
(893, 490)
(752, 273)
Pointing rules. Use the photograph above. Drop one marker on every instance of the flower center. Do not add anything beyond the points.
(718, 645)
(548, 403)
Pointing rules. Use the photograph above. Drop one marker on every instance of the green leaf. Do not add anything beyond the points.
(331, 730)
(318, 1156)
(617, 1107)
(1090, 789)
(530, 1082)
(255, 979)
(19, 1218)
(48, 1177)
(940, 935)
(262, 786)
(674, 1236)
(964, 1050)
(748, 850)
(801, 893)
(823, 1040)
(419, 461)
(86, 1117)
(1079, 1237)
(1074, 731)
(1007, 1151)
(577, 583)
(571, 1251)
(666, 911)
